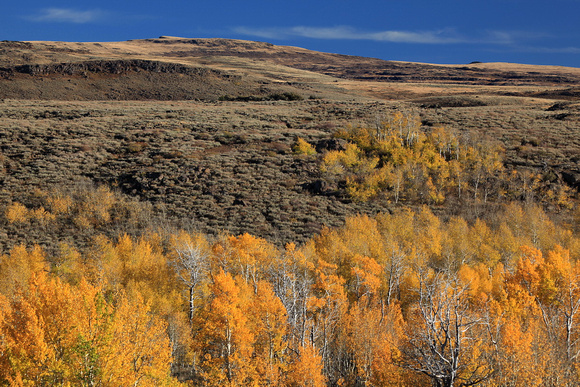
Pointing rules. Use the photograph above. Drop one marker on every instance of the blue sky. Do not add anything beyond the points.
(443, 31)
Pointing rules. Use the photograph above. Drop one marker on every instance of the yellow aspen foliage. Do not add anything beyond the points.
(145, 268)
(478, 282)
(398, 228)
(17, 213)
(19, 265)
(498, 282)
(269, 321)
(26, 356)
(456, 248)
(483, 240)
(444, 140)
(522, 285)
(359, 135)
(326, 306)
(302, 147)
(508, 245)
(330, 247)
(332, 163)
(436, 196)
(139, 264)
(556, 277)
(103, 264)
(68, 264)
(429, 236)
(223, 339)
(58, 334)
(329, 296)
(59, 204)
(516, 365)
(351, 159)
(306, 369)
(409, 290)
(372, 339)
(182, 238)
(527, 267)
(414, 166)
(366, 276)
(361, 235)
(245, 255)
(42, 216)
(140, 351)
(362, 191)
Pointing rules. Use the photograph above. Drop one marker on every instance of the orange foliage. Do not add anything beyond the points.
(306, 370)
(58, 334)
(381, 301)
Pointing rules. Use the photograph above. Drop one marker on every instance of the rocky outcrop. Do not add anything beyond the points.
(110, 67)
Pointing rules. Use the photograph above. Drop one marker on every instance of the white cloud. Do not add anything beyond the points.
(67, 15)
(266, 33)
(514, 40)
(349, 33)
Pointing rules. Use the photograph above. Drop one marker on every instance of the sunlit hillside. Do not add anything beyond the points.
(210, 212)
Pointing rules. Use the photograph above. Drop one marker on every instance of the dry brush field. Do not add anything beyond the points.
(145, 118)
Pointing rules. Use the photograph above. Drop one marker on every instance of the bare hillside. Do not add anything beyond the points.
(154, 69)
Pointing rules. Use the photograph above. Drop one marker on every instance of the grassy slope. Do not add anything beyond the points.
(228, 165)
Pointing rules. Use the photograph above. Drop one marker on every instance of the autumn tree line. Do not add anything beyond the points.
(398, 159)
(393, 300)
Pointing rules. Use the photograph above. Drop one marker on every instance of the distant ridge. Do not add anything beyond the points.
(170, 68)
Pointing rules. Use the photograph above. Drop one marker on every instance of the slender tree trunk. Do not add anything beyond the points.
(191, 303)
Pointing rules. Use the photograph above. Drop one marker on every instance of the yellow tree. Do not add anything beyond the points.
(327, 307)
(551, 286)
(18, 267)
(139, 351)
(306, 369)
(59, 334)
(222, 335)
(366, 278)
(244, 255)
(372, 338)
(268, 321)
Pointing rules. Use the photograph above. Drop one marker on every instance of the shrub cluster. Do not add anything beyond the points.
(401, 161)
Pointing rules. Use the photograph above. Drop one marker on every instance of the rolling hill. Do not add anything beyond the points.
(200, 131)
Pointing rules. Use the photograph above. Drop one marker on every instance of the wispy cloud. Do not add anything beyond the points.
(563, 50)
(349, 33)
(522, 41)
(502, 37)
(67, 15)
(525, 41)
(550, 50)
